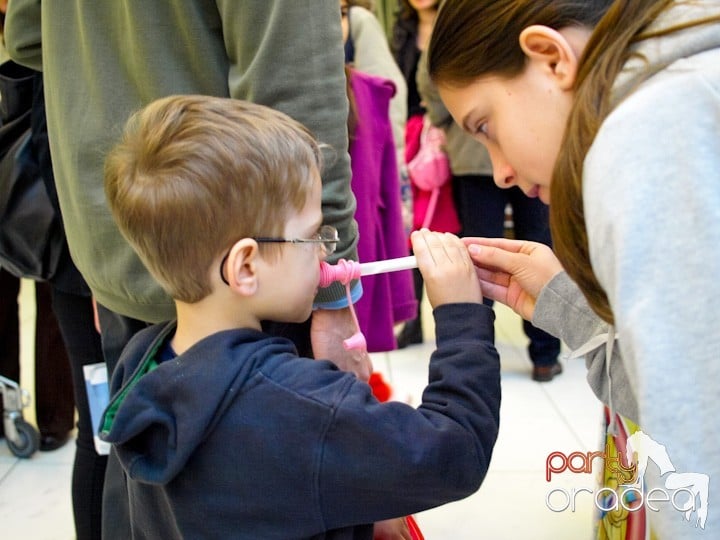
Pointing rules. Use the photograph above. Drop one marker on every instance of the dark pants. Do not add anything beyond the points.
(116, 332)
(53, 395)
(65, 341)
(54, 399)
(75, 315)
(9, 328)
(481, 207)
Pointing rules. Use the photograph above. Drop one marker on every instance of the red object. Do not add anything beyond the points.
(415, 532)
(380, 389)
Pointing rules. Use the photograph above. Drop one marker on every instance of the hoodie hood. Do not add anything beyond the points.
(156, 419)
(654, 54)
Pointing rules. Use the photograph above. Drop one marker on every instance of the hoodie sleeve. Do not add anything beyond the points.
(418, 458)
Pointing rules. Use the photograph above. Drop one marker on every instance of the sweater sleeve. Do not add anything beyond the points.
(562, 311)
(288, 55)
(399, 460)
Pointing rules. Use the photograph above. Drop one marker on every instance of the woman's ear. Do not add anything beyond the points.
(242, 267)
(552, 51)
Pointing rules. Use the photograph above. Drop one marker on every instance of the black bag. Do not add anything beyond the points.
(31, 233)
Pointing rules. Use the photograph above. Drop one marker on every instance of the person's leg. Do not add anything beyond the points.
(9, 331)
(75, 316)
(9, 327)
(54, 399)
(531, 220)
(412, 332)
(481, 207)
(480, 204)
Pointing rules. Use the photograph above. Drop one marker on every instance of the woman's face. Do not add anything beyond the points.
(521, 121)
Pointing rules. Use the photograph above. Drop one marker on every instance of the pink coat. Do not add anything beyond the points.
(387, 298)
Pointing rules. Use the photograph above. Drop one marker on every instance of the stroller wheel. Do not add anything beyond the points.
(28, 440)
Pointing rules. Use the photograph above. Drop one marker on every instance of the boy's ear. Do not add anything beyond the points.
(552, 51)
(242, 267)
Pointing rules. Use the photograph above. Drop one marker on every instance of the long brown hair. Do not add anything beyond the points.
(473, 38)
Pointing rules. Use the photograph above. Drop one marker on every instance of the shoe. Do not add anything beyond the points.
(411, 334)
(48, 443)
(546, 373)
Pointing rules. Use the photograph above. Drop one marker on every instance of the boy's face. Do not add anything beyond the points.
(292, 279)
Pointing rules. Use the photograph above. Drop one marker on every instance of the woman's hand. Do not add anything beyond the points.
(513, 271)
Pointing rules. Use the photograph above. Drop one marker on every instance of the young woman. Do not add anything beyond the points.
(612, 110)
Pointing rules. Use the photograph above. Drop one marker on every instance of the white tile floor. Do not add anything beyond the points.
(536, 419)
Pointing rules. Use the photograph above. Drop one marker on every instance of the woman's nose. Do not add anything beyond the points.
(503, 173)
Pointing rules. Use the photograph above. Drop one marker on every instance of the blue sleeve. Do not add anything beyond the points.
(389, 459)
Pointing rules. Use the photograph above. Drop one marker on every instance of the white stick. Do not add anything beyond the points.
(389, 265)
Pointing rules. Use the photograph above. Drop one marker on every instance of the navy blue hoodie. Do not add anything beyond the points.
(238, 437)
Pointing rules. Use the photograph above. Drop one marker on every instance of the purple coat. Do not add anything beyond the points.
(387, 298)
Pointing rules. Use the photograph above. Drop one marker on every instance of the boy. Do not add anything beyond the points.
(223, 431)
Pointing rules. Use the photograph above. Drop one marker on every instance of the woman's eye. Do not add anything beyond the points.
(480, 130)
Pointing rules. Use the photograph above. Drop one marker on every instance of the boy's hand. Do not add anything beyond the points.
(446, 267)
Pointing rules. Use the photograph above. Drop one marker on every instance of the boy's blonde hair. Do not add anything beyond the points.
(194, 174)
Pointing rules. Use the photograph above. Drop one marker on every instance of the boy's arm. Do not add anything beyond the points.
(390, 459)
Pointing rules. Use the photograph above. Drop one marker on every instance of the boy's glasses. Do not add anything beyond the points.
(326, 237)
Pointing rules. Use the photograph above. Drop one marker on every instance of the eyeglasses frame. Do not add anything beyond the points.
(329, 244)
